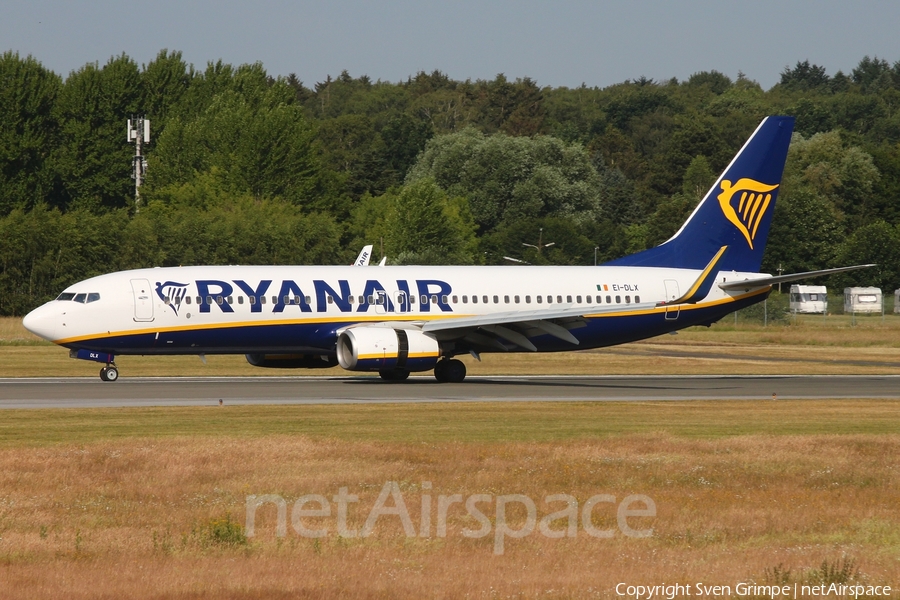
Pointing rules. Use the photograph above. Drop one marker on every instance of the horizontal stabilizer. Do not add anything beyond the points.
(746, 284)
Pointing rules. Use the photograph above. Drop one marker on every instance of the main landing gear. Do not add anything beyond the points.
(450, 371)
(109, 373)
(446, 371)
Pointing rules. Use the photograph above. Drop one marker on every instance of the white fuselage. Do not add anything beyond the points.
(245, 309)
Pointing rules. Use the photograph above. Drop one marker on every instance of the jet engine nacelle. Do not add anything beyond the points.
(386, 349)
(292, 361)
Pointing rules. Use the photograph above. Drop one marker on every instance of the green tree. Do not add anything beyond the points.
(28, 131)
(507, 179)
(878, 243)
(805, 233)
(165, 80)
(824, 166)
(266, 150)
(93, 160)
(418, 224)
(805, 76)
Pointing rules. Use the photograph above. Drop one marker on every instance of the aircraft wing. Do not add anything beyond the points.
(747, 284)
(517, 327)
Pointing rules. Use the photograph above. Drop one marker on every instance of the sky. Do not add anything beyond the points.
(556, 43)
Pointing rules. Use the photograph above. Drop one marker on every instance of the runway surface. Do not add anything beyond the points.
(177, 391)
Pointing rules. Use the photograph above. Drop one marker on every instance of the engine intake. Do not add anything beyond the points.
(385, 349)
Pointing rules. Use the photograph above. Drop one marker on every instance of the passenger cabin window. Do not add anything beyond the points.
(568, 298)
(540, 299)
(578, 299)
(240, 299)
(506, 299)
(496, 299)
(516, 298)
(627, 299)
(455, 299)
(187, 299)
(608, 299)
(618, 299)
(330, 300)
(549, 299)
(444, 299)
(527, 299)
(637, 299)
(474, 299)
(484, 299)
(465, 299)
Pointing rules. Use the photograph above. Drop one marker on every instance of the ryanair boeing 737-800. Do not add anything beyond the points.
(402, 319)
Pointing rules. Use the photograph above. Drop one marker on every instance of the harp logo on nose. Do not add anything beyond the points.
(744, 204)
(172, 293)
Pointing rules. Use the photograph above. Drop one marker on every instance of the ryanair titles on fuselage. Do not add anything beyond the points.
(210, 292)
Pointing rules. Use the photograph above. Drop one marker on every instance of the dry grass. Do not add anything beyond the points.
(115, 519)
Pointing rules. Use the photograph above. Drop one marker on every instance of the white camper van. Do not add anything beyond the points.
(862, 300)
(809, 299)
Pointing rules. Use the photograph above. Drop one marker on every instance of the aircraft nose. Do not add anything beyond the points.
(44, 322)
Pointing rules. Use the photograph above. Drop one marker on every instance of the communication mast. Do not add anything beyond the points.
(139, 133)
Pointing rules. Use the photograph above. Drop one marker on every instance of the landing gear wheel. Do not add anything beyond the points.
(440, 372)
(109, 373)
(394, 375)
(450, 371)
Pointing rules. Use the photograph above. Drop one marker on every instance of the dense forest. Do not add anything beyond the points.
(246, 168)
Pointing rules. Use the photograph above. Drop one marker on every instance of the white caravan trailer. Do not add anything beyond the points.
(862, 300)
(809, 299)
(897, 301)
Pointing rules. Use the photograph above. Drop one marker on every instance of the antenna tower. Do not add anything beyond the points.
(139, 133)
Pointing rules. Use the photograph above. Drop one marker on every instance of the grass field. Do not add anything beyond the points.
(151, 502)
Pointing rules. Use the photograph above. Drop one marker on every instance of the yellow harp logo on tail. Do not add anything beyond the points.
(752, 203)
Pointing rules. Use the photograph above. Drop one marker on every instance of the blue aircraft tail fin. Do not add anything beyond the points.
(736, 212)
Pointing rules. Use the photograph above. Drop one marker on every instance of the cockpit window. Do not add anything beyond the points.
(83, 298)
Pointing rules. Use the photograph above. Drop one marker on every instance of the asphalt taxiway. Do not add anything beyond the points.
(190, 391)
